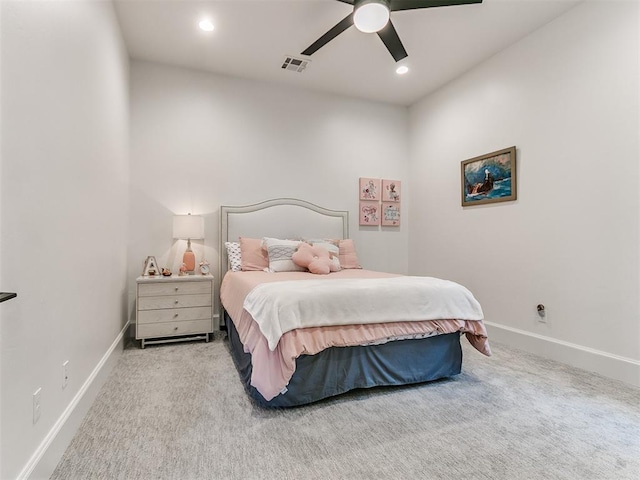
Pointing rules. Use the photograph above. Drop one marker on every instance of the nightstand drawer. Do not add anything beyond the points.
(175, 301)
(174, 315)
(174, 288)
(173, 328)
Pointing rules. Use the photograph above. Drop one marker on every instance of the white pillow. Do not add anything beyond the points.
(234, 255)
(280, 253)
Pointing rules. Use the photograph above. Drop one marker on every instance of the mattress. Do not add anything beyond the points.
(272, 369)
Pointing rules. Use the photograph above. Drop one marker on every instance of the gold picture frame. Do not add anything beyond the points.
(489, 178)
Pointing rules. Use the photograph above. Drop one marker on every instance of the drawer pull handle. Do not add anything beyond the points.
(175, 315)
(176, 302)
(176, 289)
(175, 328)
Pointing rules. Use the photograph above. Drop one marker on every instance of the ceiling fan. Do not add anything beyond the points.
(371, 16)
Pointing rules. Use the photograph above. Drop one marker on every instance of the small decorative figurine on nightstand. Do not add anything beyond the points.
(204, 267)
(150, 267)
(183, 270)
(166, 272)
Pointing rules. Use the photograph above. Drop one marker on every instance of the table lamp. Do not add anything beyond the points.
(188, 227)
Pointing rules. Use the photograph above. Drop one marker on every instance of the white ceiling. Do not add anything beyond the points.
(252, 37)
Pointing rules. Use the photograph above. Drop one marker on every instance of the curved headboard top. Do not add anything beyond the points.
(279, 218)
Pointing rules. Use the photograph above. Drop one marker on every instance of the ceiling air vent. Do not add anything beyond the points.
(295, 64)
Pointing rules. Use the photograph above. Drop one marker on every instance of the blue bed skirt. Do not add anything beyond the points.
(340, 369)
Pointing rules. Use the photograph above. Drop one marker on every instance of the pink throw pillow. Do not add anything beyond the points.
(316, 259)
(347, 255)
(254, 257)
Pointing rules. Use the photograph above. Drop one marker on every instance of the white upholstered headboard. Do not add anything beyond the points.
(279, 218)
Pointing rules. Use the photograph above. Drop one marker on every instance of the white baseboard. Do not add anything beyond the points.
(46, 457)
(613, 366)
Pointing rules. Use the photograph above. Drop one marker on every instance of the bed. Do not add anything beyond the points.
(297, 338)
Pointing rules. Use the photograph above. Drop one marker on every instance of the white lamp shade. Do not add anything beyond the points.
(188, 226)
(371, 17)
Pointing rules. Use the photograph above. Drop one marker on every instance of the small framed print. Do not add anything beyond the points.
(369, 189)
(391, 190)
(391, 214)
(369, 213)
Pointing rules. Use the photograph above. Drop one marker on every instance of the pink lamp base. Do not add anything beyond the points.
(189, 259)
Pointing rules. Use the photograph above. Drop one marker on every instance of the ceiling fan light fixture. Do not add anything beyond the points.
(402, 69)
(371, 15)
(206, 25)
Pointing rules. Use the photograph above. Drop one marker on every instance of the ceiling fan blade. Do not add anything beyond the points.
(415, 4)
(340, 27)
(350, 2)
(390, 38)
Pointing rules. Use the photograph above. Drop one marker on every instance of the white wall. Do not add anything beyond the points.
(1, 309)
(199, 141)
(64, 218)
(567, 97)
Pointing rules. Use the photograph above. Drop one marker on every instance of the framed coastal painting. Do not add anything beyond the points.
(369, 213)
(489, 178)
(391, 214)
(369, 189)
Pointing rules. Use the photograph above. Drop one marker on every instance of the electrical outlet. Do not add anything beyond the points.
(37, 405)
(65, 374)
(542, 313)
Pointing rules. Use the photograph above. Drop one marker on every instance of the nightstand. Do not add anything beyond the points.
(174, 309)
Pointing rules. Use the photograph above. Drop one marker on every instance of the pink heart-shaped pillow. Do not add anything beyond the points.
(316, 259)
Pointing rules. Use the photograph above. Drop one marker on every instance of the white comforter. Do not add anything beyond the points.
(280, 307)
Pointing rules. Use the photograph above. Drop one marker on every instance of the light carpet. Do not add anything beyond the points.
(178, 411)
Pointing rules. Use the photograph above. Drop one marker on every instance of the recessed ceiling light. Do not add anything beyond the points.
(401, 70)
(206, 25)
